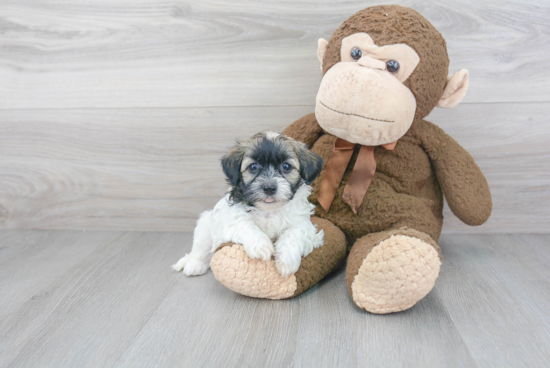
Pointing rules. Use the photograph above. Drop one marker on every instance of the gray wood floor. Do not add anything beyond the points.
(101, 299)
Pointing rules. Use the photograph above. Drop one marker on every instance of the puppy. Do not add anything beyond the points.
(266, 209)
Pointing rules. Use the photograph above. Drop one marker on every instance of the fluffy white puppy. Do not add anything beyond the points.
(267, 208)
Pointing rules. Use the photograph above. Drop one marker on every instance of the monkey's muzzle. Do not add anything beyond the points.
(364, 105)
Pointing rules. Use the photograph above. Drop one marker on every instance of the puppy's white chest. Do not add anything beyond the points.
(270, 223)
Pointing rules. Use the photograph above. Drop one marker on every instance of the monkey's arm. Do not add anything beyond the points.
(461, 180)
(305, 129)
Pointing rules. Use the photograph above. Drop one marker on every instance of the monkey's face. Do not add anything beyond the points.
(362, 98)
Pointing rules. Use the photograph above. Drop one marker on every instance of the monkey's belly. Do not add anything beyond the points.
(383, 208)
(403, 192)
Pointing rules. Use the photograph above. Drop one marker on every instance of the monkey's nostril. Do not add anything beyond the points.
(270, 189)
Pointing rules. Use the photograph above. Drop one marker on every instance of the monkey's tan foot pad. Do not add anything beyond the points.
(260, 279)
(251, 277)
(395, 275)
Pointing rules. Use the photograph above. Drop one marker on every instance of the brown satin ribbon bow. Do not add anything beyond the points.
(360, 179)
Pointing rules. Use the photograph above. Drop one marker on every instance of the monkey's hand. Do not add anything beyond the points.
(461, 180)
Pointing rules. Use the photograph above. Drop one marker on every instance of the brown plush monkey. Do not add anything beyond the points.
(385, 168)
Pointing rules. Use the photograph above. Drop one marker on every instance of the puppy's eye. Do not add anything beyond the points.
(392, 66)
(253, 167)
(287, 167)
(356, 53)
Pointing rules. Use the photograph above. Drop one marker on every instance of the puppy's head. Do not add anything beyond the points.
(266, 170)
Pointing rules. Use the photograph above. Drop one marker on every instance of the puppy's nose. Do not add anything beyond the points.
(270, 189)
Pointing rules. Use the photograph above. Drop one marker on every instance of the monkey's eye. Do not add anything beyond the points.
(253, 167)
(287, 167)
(356, 53)
(392, 66)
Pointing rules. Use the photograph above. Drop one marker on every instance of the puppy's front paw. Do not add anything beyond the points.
(287, 260)
(259, 247)
(191, 266)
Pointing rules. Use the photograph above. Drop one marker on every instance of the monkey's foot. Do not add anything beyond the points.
(251, 277)
(392, 274)
(260, 279)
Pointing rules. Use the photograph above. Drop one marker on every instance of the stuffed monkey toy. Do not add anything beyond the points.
(379, 197)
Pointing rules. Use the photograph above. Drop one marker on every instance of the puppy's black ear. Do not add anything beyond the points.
(311, 164)
(231, 165)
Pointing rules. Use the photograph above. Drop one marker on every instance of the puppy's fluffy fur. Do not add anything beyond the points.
(266, 210)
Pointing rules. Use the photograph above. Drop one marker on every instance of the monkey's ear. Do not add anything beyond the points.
(231, 165)
(455, 89)
(321, 48)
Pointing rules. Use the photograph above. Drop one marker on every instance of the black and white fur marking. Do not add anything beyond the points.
(266, 209)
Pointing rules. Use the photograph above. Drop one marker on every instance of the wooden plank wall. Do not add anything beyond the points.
(113, 114)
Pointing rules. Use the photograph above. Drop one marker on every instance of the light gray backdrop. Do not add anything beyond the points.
(114, 114)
